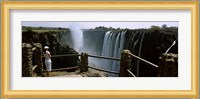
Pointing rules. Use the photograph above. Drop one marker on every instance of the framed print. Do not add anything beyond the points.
(100, 49)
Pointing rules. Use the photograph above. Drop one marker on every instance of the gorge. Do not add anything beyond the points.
(148, 44)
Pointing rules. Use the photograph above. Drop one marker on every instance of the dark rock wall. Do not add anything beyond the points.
(31, 57)
(27, 55)
(37, 58)
(168, 65)
(59, 43)
(155, 42)
(93, 40)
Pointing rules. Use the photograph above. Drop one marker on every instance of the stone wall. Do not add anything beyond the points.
(32, 64)
(27, 55)
(168, 65)
(58, 43)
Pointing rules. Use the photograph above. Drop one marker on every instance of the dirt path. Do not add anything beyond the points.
(89, 73)
(74, 75)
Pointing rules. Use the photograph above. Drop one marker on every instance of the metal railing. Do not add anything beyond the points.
(68, 68)
(142, 60)
(130, 73)
(66, 55)
(103, 57)
(113, 72)
(60, 69)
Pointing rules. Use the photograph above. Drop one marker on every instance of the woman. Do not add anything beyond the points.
(47, 61)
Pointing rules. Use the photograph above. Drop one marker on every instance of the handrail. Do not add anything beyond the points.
(63, 68)
(34, 67)
(131, 73)
(103, 57)
(95, 56)
(110, 58)
(103, 70)
(143, 60)
(66, 55)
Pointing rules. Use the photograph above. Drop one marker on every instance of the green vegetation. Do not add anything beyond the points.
(43, 29)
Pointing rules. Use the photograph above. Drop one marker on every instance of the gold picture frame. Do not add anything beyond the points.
(5, 41)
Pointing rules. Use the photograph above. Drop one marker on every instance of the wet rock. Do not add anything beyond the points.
(37, 58)
(94, 73)
(148, 44)
(27, 55)
(168, 65)
(59, 43)
(31, 59)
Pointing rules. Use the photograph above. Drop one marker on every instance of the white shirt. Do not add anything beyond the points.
(47, 55)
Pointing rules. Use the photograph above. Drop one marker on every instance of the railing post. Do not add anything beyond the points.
(125, 63)
(84, 62)
(27, 55)
(37, 58)
(168, 65)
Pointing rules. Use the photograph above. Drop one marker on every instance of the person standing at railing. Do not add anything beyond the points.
(47, 61)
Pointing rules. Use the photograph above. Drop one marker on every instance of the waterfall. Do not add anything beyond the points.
(117, 50)
(135, 44)
(77, 37)
(132, 42)
(113, 44)
(140, 42)
(112, 47)
(139, 53)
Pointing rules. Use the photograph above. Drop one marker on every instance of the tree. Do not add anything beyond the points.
(59, 28)
(29, 29)
(153, 27)
(164, 26)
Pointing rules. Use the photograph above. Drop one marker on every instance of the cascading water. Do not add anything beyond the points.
(117, 50)
(140, 42)
(77, 37)
(139, 53)
(112, 44)
(135, 43)
(112, 47)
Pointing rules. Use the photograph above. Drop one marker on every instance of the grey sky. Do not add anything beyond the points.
(87, 25)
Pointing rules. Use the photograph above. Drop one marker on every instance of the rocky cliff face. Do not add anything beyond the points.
(93, 40)
(168, 65)
(32, 60)
(59, 43)
(148, 44)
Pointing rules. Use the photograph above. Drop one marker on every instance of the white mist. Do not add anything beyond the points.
(77, 37)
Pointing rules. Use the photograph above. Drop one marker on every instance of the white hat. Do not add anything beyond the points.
(46, 47)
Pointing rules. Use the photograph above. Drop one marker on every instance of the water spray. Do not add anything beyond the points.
(77, 37)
